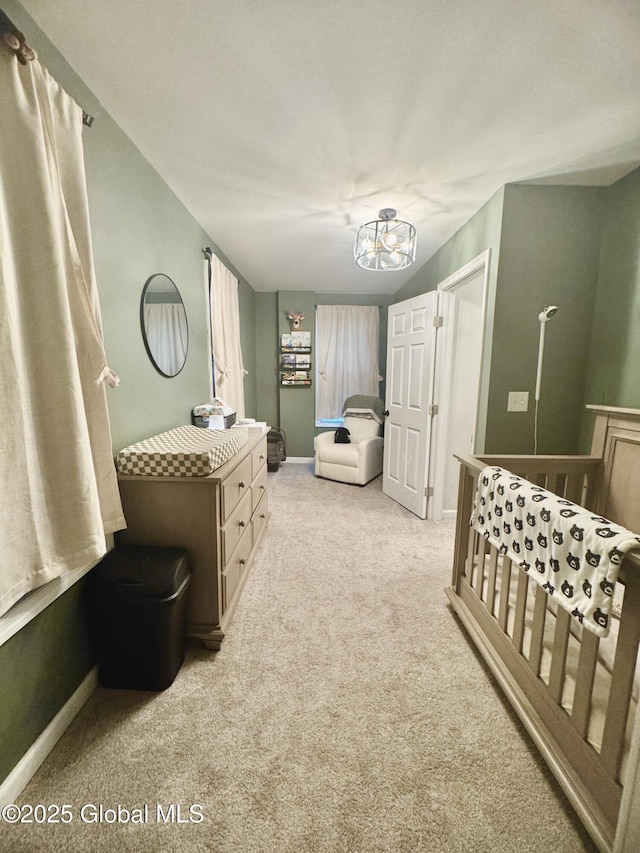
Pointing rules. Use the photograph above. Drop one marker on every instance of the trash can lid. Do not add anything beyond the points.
(141, 571)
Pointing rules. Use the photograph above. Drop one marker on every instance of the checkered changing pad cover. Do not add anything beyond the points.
(186, 451)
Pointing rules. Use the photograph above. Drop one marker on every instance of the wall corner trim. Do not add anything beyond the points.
(26, 768)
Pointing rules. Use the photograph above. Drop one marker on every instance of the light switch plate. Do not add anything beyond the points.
(518, 401)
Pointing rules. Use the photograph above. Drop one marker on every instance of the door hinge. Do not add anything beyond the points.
(428, 492)
(438, 321)
(433, 409)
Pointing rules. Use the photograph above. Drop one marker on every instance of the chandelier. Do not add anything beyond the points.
(385, 244)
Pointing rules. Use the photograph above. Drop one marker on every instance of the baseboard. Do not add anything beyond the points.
(299, 459)
(26, 768)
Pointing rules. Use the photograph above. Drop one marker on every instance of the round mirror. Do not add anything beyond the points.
(164, 325)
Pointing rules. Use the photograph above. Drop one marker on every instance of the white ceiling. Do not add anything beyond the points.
(284, 124)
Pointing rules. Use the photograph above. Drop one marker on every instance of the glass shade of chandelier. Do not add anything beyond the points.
(386, 244)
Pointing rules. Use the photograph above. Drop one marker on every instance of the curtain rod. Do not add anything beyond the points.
(15, 41)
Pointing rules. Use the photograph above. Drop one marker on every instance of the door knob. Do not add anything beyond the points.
(386, 413)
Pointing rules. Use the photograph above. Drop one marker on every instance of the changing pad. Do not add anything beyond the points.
(185, 451)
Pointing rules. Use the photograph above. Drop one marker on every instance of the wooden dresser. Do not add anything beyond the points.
(219, 519)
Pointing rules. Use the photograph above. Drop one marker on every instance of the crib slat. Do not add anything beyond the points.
(471, 550)
(585, 677)
(466, 492)
(479, 577)
(537, 629)
(573, 488)
(559, 659)
(491, 579)
(622, 680)
(521, 606)
(552, 483)
(505, 586)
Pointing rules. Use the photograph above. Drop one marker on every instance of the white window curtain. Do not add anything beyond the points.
(347, 344)
(165, 325)
(229, 370)
(59, 494)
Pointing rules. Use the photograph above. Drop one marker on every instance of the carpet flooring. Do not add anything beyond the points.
(345, 713)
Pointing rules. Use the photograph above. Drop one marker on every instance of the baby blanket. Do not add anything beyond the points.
(572, 553)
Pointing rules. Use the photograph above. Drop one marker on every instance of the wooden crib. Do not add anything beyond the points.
(573, 691)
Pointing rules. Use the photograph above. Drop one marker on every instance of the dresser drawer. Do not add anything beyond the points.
(258, 488)
(234, 487)
(235, 527)
(258, 457)
(233, 571)
(260, 516)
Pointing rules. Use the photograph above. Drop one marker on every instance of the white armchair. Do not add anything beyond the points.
(360, 460)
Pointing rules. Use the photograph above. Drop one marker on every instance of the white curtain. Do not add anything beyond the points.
(59, 492)
(225, 332)
(347, 343)
(165, 325)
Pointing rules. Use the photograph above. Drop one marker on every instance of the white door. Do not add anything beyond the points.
(411, 343)
(457, 383)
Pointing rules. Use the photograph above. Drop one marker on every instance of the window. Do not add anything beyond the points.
(347, 359)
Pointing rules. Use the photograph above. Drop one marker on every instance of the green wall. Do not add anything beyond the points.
(482, 232)
(544, 243)
(548, 256)
(40, 668)
(613, 377)
(138, 228)
(266, 324)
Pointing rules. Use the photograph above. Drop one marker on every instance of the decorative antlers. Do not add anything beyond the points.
(14, 40)
(295, 319)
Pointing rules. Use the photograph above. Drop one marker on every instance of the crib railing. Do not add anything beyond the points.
(578, 711)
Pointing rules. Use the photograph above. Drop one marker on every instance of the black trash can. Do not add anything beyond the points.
(138, 606)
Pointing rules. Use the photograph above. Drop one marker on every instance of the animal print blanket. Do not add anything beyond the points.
(572, 553)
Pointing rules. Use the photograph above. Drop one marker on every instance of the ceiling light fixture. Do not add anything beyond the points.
(386, 244)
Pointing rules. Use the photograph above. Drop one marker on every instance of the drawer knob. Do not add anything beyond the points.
(262, 456)
(262, 486)
(243, 561)
(242, 484)
(262, 515)
(241, 523)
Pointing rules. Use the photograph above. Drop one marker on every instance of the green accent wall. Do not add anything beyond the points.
(481, 233)
(544, 243)
(548, 256)
(296, 405)
(139, 228)
(613, 377)
(267, 400)
(40, 668)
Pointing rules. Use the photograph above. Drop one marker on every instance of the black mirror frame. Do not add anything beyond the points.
(144, 331)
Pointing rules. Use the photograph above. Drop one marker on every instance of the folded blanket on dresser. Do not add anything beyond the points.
(572, 553)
